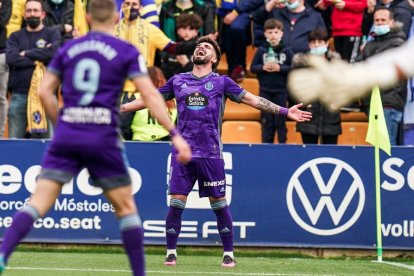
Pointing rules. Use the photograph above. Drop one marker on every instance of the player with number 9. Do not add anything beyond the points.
(92, 70)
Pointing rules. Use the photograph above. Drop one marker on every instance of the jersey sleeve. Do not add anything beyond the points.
(167, 91)
(232, 90)
(55, 66)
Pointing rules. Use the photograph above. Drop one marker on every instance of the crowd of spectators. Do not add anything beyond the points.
(165, 33)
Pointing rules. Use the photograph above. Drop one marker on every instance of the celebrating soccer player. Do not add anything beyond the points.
(200, 96)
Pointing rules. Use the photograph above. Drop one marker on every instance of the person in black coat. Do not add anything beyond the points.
(387, 34)
(325, 125)
(35, 42)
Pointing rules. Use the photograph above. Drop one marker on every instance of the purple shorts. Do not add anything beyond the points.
(106, 162)
(208, 171)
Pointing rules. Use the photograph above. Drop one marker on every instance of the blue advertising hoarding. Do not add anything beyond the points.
(280, 195)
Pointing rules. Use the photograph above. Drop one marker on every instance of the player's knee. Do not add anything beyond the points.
(177, 203)
(219, 204)
(125, 208)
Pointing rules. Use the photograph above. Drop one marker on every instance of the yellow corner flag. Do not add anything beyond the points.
(79, 18)
(377, 134)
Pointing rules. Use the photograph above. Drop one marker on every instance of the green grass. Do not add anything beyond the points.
(60, 262)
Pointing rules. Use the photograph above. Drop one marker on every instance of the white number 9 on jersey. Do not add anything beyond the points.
(86, 79)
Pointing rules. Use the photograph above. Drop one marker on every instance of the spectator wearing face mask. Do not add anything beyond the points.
(325, 126)
(35, 42)
(387, 34)
(148, 39)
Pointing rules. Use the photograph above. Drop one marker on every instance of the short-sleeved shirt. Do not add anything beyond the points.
(91, 91)
(200, 104)
(92, 69)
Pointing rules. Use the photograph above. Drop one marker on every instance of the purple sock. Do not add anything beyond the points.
(133, 244)
(173, 226)
(225, 226)
(22, 224)
(133, 239)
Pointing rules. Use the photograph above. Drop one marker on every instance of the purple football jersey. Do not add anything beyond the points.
(90, 92)
(200, 105)
(93, 70)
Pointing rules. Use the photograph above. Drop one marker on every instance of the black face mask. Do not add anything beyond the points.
(33, 22)
(133, 14)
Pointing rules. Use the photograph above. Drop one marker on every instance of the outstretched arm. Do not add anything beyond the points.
(338, 83)
(262, 104)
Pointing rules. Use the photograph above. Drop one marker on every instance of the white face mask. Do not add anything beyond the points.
(292, 6)
(321, 50)
(381, 29)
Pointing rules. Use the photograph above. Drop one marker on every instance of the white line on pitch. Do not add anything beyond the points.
(152, 271)
(410, 267)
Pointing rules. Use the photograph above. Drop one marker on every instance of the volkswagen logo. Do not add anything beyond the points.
(314, 192)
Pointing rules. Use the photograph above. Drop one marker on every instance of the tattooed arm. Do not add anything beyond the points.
(262, 104)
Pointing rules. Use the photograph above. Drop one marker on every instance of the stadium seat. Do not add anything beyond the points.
(235, 111)
(241, 132)
(354, 117)
(250, 51)
(353, 133)
(293, 137)
(251, 85)
(222, 67)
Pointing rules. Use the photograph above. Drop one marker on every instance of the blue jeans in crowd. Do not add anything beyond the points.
(393, 119)
(17, 116)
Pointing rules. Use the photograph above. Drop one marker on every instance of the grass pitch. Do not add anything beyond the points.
(192, 262)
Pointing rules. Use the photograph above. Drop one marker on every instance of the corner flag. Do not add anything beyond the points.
(377, 134)
(79, 17)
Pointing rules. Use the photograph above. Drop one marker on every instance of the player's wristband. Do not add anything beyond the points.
(173, 132)
(283, 111)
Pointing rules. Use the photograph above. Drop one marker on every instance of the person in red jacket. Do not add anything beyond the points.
(347, 16)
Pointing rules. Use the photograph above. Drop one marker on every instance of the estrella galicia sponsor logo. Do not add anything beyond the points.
(209, 85)
(325, 196)
(196, 101)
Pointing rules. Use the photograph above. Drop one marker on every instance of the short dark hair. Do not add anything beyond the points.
(273, 23)
(379, 8)
(192, 20)
(318, 34)
(215, 45)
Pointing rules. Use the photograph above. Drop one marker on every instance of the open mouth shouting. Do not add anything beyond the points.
(200, 53)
